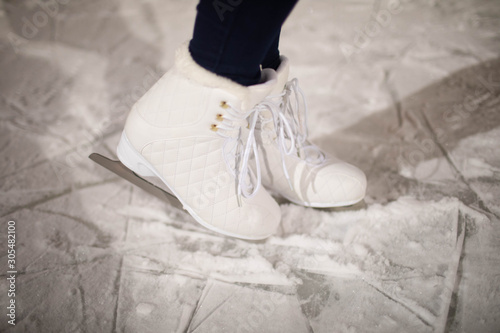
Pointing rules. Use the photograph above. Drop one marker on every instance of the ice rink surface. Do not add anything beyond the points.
(408, 91)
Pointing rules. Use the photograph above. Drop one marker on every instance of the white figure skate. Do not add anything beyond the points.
(194, 132)
(291, 165)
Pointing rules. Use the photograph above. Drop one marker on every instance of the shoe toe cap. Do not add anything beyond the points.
(257, 218)
(338, 184)
(261, 218)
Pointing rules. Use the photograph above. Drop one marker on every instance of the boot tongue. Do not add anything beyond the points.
(256, 93)
(282, 79)
(282, 76)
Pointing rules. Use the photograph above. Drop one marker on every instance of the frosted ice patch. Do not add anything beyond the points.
(407, 252)
(476, 167)
(431, 169)
(144, 309)
(144, 213)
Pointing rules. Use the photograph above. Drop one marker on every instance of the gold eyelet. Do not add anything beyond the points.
(224, 105)
(220, 117)
(213, 127)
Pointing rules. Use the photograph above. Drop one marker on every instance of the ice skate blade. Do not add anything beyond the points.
(121, 170)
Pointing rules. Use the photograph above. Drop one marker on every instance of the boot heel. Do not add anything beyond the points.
(132, 159)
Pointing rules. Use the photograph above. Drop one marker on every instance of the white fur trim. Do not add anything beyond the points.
(249, 96)
(188, 67)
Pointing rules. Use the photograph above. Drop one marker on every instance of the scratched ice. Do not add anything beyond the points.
(408, 91)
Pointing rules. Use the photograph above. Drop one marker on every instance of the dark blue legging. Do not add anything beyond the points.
(233, 38)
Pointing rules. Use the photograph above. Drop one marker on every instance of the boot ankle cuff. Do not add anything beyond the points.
(186, 65)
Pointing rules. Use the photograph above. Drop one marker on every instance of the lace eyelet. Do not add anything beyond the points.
(224, 105)
(214, 127)
(220, 117)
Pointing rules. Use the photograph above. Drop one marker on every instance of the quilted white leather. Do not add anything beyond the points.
(169, 133)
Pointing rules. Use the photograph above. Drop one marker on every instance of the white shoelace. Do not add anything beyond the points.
(237, 152)
(290, 124)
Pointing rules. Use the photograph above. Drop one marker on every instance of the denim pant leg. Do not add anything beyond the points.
(233, 38)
